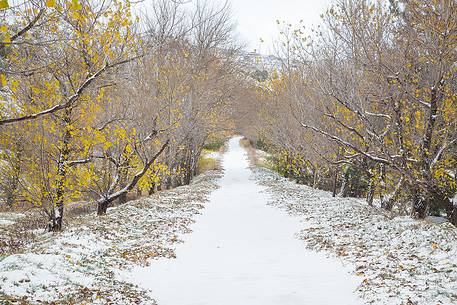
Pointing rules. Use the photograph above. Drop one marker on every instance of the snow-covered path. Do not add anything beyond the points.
(243, 252)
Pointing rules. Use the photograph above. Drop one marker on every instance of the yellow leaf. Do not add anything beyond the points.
(3, 28)
(3, 81)
(7, 38)
(75, 5)
(4, 4)
(14, 85)
(50, 3)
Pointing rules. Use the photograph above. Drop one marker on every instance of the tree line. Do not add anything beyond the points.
(99, 99)
(367, 105)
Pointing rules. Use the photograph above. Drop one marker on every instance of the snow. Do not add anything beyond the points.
(261, 239)
(50, 273)
(6, 222)
(213, 155)
(242, 251)
(399, 260)
(7, 219)
(78, 266)
(34, 271)
(437, 219)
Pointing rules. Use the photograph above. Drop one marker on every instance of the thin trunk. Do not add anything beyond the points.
(382, 187)
(453, 216)
(335, 181)
(316, 179)
(371, 190)
(335, 175)
(14, 181)
(58, 206)
(345, 185)
(388, 204)
(286, 171)
(178, 180)
(421, 200)
(152, 189)
(419, 205)
(168, 182)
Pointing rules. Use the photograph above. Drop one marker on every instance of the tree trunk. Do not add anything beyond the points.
(168, 183)
(178, 181)
(123, 198)
(431, 200)
(315, 179)
(371, 190)
(382, 187)
(291, 169)
(102, 207)
(188, 177)
(189, 170)
(335, 182)
(422, 200)
(388, 204)
(453, 216)
(335, 175)
(152, 189)
(11, 192)
(286, 171)
(194, 172)
(345, 185)
(419, 205)
(58, 206)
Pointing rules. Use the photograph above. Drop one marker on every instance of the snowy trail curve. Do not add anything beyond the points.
(243, 252)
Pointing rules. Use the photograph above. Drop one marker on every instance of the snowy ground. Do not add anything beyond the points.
(399, 261)
(261, 239)
(7, 219)
(242, 251)
(80, 265)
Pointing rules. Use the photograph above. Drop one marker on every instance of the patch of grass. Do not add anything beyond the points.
(16, 237)
(262, 144)
(214, 145)
(206, 164)
(268, 162)
(245, 143)
(258, 157)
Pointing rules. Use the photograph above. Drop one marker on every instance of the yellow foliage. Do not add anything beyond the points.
(50, 3)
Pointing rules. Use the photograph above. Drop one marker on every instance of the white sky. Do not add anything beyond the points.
(256, 19)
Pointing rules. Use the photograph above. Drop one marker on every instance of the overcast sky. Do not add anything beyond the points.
(257, 18)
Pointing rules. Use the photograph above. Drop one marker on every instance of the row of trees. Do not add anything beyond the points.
(97, 102)
(374, 101)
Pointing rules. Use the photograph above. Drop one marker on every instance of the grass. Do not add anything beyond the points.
(215, 145)
(245, 143)
(206, 164)
(258, 157)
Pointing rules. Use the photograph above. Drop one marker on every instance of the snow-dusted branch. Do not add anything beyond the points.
(111, 196)
(347, 144)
